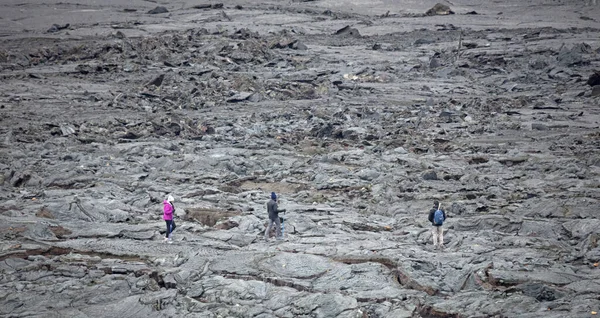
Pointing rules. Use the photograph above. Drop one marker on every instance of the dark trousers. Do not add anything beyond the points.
(170, 227)
(277, 225)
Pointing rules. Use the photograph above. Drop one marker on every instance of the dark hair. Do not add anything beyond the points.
(436, 203)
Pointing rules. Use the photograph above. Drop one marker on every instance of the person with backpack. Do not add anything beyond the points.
(437, 216)
(168, 210)
(274, 221)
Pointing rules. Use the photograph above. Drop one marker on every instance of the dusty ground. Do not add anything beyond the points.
(486, 110)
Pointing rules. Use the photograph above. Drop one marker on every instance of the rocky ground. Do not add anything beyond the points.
(357, 113)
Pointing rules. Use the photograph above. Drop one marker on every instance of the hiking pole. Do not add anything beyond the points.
(283, 226)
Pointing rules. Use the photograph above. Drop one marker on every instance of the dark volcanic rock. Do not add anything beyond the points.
(57, 27)
(158, 10)
(348, 31)
(439, 9)
(208, 6)
(357, 136)
(430, 175)
(157, 81)
(594, 79)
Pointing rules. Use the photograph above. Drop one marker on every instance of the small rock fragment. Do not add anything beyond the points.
(239, 97)
(56, 28)
(299, 46)
(594, 79)
(430, 175)
(157, 81)
(208, 6)
(348, 31)
(158, 10)
(439, 9)
(67, 129)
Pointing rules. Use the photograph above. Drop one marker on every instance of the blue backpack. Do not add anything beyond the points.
(438, 217)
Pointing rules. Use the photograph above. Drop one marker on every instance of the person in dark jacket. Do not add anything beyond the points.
(273, 211)
(437, 231)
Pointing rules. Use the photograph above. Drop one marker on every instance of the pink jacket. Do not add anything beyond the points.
(168, 210)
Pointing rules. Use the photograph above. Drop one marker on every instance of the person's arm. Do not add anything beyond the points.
(431, 212)
(169, 210)
(278, 209)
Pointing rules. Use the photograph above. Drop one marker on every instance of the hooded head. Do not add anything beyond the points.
(170, 198)
(273, 196)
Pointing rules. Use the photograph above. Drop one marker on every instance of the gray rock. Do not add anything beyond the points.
(348, 31)
(582, 228)
(300, 46)
(240, 97)
(141, 235)
(505, 277)
(541, 292)
(591, 286)
(354, 133)
(170, 281)
(158, 10)
(324, 305)
(195, 291)
(67, 129)
(429, 175)
(594, 79)
(296, 265)
(569, 57)
(157, 81)
(40, 231)
(439, 9)
(368, 174)
(160, 297)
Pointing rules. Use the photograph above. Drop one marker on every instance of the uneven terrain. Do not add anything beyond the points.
(357, 113)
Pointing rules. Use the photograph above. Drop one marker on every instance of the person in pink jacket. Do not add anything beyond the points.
(169, 208)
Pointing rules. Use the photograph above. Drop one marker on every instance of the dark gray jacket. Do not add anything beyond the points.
(432, 212)
(273, 211)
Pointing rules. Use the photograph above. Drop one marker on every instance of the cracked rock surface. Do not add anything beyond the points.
(357, 114)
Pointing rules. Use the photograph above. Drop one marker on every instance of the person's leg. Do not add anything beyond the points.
(434, 236)
(268, 230)
(168, 222)
(278, 229)
(441, 239)
(171, 228)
